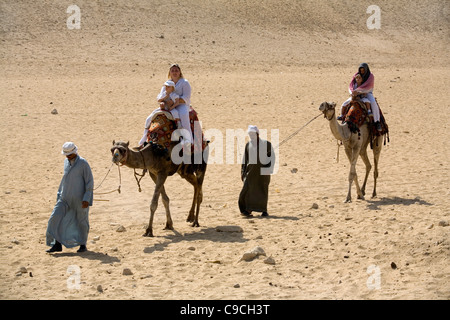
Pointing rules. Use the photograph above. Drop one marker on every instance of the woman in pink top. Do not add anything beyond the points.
(366, 87)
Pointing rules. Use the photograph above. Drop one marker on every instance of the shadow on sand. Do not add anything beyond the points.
(376, 204)
(91, 255)
(209, 234)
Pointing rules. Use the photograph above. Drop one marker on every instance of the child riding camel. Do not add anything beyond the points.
(366, 87)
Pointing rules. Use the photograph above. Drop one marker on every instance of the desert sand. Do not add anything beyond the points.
(269, 63)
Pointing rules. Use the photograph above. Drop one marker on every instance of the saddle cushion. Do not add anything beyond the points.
(163, 126)
(355, 116)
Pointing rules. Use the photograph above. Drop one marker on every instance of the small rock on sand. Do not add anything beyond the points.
(121, 229)
(250, 255)
(127, 272)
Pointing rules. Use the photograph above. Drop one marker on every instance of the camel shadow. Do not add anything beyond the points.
(210, 234)
(376, 204)
(271, 217)
(91, 255)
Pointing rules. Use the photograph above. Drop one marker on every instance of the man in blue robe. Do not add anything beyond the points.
(69, 222)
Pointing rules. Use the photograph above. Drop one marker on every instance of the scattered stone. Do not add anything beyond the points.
(23, 270)
(229, 229)
(236, 285)
(269, 260)
(114, 249)
(191, 248)
(294, 170)
(99, 288)
(315, 206)
(15, 241)
(121, 229)
(443, 223)
(393, 265)
(54, 111)
(430, 226)
(255, 252)
(127, 272)
(146, 277)
(96, 238)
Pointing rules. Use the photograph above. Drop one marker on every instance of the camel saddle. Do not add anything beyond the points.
(163, 125)
(355, 115)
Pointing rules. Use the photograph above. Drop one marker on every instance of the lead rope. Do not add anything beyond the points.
(118, 189)
(297, 131)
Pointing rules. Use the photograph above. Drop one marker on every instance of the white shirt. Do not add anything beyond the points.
(182, 89)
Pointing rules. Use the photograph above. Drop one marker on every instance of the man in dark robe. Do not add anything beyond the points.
(257, 166)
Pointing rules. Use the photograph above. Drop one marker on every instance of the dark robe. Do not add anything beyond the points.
(255, 173)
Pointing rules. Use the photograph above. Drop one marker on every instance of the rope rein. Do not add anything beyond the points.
(107, 173)
(297, 131)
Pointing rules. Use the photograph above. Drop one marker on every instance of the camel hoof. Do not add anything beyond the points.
(168, 228)
(148, 233)
(195, 224)
(348, 201)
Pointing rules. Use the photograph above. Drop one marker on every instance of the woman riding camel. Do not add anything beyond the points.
(183, 90)
(183, 93)
(366, 88)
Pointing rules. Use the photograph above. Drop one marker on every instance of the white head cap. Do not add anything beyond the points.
(169, 83)
(252, 128)
(69, 148)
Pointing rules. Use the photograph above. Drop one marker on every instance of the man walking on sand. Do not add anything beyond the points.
(257, 166)
(69, 222)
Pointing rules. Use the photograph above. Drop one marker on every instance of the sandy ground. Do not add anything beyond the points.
(268, 63)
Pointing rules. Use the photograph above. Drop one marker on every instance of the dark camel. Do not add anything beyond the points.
(157, 161)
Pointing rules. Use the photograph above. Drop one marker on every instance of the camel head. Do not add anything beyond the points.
(119, 152)
(328, 109)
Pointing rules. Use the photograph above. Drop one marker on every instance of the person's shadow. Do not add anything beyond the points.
(91, 255)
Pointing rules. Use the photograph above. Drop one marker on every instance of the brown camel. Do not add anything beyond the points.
(157, 161)
(355, 146)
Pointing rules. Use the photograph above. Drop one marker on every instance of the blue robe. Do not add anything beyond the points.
(69, 222)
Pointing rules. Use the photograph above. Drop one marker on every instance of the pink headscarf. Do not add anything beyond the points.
(365, 87)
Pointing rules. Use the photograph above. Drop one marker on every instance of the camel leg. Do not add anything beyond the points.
(348, 152)
(192, 179)
(165, 200)
(376, 157)
(154, 204)
(352, 155)
(366, 161)
(199, 197)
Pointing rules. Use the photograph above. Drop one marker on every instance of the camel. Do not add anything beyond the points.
(355, 145)
(157, 161)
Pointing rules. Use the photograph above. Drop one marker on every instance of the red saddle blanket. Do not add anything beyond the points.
(162, 128)
(355, 115)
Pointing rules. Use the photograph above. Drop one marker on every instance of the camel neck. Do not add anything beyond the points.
(340, 131)
(135, 159)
